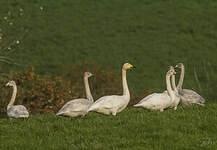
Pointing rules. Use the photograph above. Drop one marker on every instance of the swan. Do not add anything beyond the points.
(160, 101)
(177, 96)
(174, 88)
(188, 97)
(15, 111)
(78, 107)
(114, 104)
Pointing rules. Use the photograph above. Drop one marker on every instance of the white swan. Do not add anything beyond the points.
(175, 90)
(15, 111)
(160, 101)
(78, 107)
(188, 97)
(114, 103)
(177, 97)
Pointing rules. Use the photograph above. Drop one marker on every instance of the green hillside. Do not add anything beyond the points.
(150, 35)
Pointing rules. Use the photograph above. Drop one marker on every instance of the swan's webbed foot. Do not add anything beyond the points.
(161, 110)
(175, 108)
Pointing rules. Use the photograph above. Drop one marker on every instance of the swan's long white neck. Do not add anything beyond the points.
(125, 86)
(13, 96)
(174, 84)
(87, 89)
(169, 88)
(181, 77)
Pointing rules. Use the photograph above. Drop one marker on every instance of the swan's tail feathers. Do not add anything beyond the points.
(58, 113)
(202, 100)
(93, 106)
(89, 109)
(137, 105)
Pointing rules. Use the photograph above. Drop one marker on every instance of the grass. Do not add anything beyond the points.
(149, 34)
(187, 128)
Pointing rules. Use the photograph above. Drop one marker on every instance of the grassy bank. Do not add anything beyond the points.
(187, 128)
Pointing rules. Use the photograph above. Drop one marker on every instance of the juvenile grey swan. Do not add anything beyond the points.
(78, 107)
(160, 101)
(114, 104)
(188, 97)
(15, 111)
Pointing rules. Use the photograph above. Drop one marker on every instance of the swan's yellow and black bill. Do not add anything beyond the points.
(131, 66)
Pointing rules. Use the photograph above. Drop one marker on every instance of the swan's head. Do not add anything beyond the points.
(128, 66)
(11, 83)
(171, 71)
(88, 74)
(172, 68)
(179, 65)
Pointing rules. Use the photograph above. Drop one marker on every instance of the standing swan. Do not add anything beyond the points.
(160, 101)
(78, 107)
(15, 111)
(188, 97)
(114, 104)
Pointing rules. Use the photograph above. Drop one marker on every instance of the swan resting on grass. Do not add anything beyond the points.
(15, 111)
(78, 107)
(188, 97)
(160, 101)
(114, 104)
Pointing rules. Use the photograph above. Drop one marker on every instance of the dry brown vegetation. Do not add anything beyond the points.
(47, 94)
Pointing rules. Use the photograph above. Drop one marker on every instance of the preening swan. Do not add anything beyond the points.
(15, 111)
(78, 107)
(160, 101)
(188, 96)
(114, 103)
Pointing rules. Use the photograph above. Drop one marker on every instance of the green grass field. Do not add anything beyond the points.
(187, 128)
(151, 35)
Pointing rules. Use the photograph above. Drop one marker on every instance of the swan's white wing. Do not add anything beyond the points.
(108, 102)
(148, 97)
(76, 105)
(155, 101)
(159, 99)
(17, 111)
